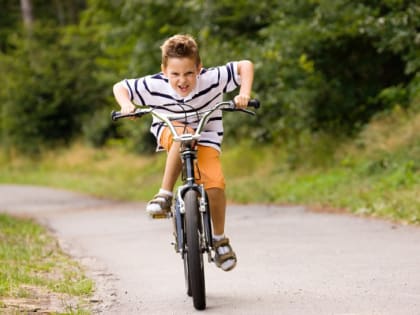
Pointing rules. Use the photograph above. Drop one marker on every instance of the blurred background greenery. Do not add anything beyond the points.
(321, 65)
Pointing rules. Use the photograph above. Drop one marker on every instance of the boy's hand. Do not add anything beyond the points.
(241, 100)
(127, 108)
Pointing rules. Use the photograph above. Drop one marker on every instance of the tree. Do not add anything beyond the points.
(28, 19)
(49, 84)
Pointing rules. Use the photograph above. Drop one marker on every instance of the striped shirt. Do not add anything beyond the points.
(155, 91)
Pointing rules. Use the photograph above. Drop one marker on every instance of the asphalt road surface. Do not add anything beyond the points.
(290, 260)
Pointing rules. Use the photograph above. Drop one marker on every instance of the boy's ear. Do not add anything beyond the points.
(162, 67)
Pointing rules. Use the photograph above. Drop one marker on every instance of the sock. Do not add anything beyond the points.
(218, 237)
(165, 192)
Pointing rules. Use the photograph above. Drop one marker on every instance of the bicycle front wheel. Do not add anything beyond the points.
(194, 253)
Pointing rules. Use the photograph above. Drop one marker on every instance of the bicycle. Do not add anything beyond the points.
(191, 212)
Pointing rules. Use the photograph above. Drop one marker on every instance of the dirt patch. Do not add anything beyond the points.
(328, 209)
(40, 301)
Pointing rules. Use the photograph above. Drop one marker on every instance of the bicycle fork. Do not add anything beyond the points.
(188, 154)
(205, 221)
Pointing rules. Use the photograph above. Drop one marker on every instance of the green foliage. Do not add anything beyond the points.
(9, 17)
(48, 88)
(334, 62)
(321, 65)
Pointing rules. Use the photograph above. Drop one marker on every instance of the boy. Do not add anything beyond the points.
(184, 80)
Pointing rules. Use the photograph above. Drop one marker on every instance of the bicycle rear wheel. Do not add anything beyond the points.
(194, 253)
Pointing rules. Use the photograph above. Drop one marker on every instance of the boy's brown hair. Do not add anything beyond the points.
(180, 46)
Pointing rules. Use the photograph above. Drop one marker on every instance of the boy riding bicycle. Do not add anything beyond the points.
(184, 80)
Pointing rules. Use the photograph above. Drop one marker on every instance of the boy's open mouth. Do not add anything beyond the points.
(183, 88)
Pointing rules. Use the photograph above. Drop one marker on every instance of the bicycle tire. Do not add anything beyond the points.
(187, 276)
(194, 254)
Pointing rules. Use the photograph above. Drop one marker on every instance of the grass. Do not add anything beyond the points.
(108, 172)
(376, 174)
(35, 274)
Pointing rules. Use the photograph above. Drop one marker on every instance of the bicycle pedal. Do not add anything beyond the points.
(161, 215)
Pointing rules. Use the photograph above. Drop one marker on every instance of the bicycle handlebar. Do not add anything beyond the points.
(229, 106)
(225, 105)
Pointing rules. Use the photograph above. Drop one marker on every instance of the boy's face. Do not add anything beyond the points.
(182, 74)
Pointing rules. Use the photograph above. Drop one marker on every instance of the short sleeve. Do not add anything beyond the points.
(233, 79)
(134, 88)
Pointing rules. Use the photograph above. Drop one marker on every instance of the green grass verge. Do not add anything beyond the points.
(380, 185)
(35, 275)
(109, 173)
(391, 194)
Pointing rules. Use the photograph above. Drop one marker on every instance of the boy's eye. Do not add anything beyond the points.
(186, 74)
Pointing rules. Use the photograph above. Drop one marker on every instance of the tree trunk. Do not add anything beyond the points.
(28, 19)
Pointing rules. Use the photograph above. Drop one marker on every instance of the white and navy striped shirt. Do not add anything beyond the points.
(155, 91)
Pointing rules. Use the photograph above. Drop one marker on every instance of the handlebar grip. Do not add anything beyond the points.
(254, 103)
(117, 115)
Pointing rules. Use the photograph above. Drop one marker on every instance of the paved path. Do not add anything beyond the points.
(291, 261)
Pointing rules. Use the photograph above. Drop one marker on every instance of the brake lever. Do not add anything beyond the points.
(246, 111)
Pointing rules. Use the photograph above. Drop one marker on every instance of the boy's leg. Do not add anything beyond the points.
(160, 205)
(225, 256)
(172, 168)
(212, 177)
(217, 201)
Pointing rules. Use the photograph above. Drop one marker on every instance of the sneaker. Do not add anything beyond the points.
(225, 257)
(160, 206)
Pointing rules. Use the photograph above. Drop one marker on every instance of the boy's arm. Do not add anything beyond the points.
(123, 98)
(246, 72)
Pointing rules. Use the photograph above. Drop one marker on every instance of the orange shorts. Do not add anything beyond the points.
(208, 170)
